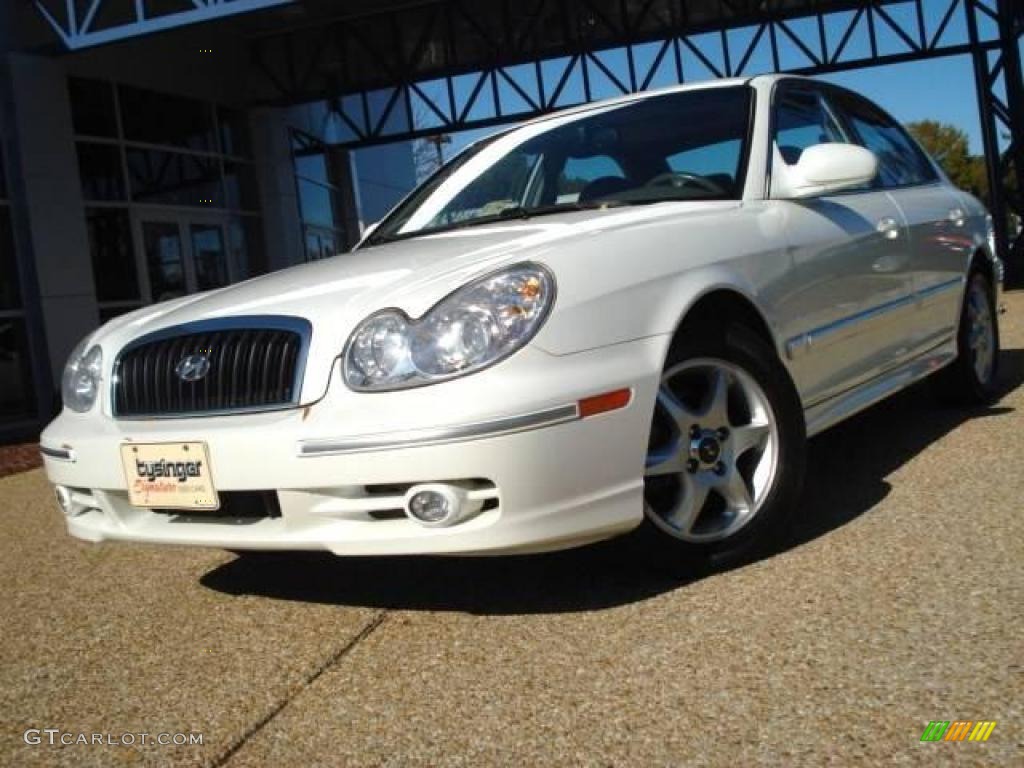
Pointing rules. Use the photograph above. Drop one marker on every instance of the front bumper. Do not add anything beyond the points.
(555, 482)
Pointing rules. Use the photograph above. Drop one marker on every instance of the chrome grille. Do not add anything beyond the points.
(249, 368)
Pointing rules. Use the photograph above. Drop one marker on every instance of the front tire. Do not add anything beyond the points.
(726, 453)
(971, 378)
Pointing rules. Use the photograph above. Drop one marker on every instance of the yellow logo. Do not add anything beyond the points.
(958, 730)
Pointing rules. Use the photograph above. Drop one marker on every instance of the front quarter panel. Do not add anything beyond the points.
(633, 279)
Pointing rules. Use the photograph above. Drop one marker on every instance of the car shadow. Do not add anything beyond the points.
(846, 477)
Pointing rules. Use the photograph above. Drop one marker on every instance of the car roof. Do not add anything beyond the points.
(765, 80)
(757, 81)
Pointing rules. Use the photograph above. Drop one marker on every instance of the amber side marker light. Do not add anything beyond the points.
(608, 401)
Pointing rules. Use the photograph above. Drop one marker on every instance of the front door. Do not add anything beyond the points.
(849, 301)
(182, 254)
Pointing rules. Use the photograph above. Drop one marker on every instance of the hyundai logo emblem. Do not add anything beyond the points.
(193, 367)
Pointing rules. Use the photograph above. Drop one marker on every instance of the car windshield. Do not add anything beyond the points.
(687, 145)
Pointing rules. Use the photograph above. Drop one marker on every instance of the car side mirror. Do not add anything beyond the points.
(821, 170)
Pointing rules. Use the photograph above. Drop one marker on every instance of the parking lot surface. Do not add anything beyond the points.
(899, 600)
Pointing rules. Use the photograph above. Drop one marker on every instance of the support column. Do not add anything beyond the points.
(52, 197)
(979, 60)
(279, 204)
(43, 381)
(1011, 28)
(344, 176)
(996, 116)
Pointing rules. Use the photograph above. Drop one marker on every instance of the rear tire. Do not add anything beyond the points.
(725, 461)
(971, 378)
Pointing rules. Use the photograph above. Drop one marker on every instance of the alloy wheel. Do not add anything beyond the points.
(713, 454)
(981, 333)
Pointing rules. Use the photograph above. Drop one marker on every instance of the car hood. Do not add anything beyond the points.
(335, 294)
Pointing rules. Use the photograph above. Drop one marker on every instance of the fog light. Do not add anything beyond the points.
(434, 505)
(429, 506)
(71, 503)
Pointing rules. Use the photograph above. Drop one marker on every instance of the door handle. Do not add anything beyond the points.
(957, 217)
(888, 227)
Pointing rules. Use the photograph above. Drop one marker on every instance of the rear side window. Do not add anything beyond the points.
(901, 162)
(801, 121)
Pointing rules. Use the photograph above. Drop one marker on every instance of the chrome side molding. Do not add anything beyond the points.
(415, 438)
(823, 334)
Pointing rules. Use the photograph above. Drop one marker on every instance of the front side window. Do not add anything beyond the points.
(803, 120)
(688, 145)
(900, 162)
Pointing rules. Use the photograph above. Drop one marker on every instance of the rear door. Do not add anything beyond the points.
(939, 245)
(846, 303)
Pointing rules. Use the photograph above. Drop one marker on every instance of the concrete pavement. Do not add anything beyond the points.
(899, 601)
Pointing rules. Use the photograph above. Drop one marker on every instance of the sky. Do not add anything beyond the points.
(939, 89)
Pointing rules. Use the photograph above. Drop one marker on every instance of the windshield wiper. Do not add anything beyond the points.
(521, 212)
(507, 214)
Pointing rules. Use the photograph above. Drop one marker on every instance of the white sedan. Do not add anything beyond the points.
(632, 313)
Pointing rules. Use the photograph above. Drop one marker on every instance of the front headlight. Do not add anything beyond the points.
(478, 325)
(81, 382)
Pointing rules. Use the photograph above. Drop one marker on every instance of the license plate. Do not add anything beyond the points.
(169, 476)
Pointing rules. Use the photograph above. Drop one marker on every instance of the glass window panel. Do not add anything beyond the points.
(317, 204)
(113, 258)
(716, 162)
(176, 179)
(92, 107)
(516, 171)
(99, 167)
(16, 398)
(164, 259)
(159, 118)
(900, 162)
(234, 132)
(328, 245)
(313, 167)
(240, 186)
(312, 245)
(504, 185)
(321, 243)
(208, 256)
(579, 173)
(3, 176)
(801, 122)
(10, 294)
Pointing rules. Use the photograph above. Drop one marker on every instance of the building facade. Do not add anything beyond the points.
(135, 164)
(134, 172)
